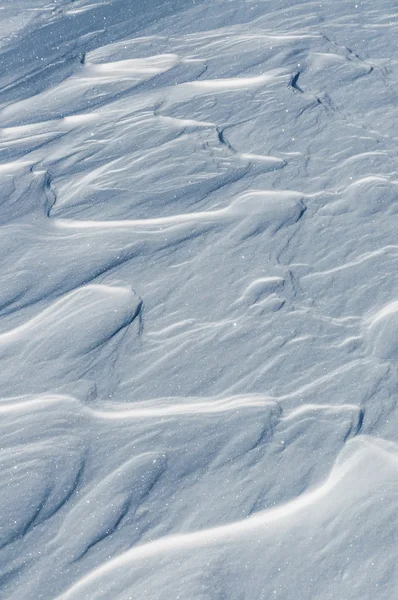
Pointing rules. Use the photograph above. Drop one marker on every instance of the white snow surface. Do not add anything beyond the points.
(198, 300)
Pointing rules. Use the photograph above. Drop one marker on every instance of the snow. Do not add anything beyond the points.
(198, 300)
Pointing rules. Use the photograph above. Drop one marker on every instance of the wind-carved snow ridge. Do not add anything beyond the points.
(198, 300)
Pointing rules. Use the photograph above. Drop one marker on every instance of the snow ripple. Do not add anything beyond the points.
(198, 300)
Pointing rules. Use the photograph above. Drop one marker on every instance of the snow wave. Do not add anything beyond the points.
(198, 302)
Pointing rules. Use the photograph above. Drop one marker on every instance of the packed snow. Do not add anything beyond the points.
(198, 300)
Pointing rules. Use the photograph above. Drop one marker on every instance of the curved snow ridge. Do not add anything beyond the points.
(278, 208)
(118, 306)
(93, 84)
(231, 83)
(364, 464)
(86, 255)
(90, 318)
(229, 455)
(162, 407)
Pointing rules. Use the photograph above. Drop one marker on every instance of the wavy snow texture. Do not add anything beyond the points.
(198, 300)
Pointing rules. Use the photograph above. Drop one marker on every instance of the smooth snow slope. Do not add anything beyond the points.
(198, 300)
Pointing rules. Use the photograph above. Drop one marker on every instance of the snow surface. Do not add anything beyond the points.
(198, 300)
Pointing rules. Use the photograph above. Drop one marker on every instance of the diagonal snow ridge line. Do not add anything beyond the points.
(386, 250)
